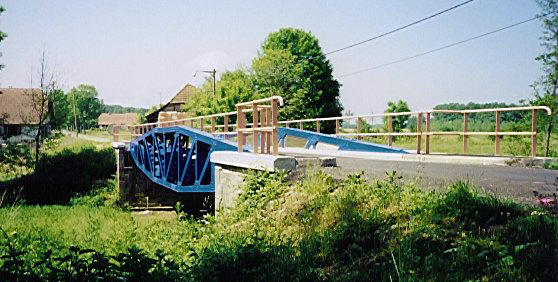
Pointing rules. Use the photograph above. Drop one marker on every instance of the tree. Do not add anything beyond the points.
(232, 88)
(2, 34)
(545, 88)
(292, 64)
(398, 122)
(58, 109)
(40, 99)
(87, 104)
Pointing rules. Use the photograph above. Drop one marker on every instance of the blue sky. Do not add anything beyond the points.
(135, 51)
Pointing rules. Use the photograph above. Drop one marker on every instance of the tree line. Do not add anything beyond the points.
(80, 108)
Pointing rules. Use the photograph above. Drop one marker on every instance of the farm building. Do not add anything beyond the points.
(19, 115)
(126, 119)
(174, 104)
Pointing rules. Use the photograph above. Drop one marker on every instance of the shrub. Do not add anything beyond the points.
(473, 211)
(60, 176)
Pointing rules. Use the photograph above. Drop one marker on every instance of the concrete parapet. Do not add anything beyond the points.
(450, 159)
(253, 161)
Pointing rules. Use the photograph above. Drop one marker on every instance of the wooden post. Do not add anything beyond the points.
(212, 124)
(390, 130)
(268, 121)
(427, 133)
(191, 123)
(254, 127)
(465, 129)
(226, 128)
(497, 140)
(318, 126)
(240, 124)
(419, 132)
(534, 134)
(263, 116)
(275, 135)
(358, 128)
(337, 126)
(301, 125)
(201, 124)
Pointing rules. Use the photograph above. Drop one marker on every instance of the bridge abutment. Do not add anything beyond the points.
(137, 191)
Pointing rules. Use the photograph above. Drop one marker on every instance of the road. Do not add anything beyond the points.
(87, 137)
(515, 182)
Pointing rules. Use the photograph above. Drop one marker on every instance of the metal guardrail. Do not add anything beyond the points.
(264, 125)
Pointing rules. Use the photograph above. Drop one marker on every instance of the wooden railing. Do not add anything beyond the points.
(427, 132)
(359, 134)
(264, 125)
(497, 133)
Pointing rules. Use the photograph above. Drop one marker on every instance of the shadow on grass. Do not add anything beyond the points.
(59, 177)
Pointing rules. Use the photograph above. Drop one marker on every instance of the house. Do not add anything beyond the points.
(174, 104)
(19, 115)
(126, 119)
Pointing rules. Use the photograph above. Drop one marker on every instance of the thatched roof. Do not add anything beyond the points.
(107, 119)
(16, 106)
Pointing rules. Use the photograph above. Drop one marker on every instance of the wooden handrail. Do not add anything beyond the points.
(265, 123)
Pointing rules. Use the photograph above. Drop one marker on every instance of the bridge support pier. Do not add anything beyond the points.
(231, 168)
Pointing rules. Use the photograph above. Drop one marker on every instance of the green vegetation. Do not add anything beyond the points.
(88, 105)
(291, 64)
(545, 88)
(67, 167)
(122, 109)
(313, 229)
(398, 122)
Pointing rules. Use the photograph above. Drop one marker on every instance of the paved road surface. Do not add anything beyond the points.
(515, 182)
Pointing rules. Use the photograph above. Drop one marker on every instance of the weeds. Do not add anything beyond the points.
(312, 229)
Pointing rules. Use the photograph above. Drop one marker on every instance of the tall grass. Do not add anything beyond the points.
(313, 229)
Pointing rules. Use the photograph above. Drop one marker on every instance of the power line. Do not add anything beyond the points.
(399, 28)
(442, 48)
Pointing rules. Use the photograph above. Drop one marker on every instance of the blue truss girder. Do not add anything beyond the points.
(344, 144)
(178, 157)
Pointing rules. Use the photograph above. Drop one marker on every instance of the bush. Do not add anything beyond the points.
(63, 174)
(473, 211)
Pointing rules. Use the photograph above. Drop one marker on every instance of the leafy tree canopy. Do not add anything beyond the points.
(59, 111)
(293, 65)
(545, 88)
(290, 64)
(398, 122)
(88, 105)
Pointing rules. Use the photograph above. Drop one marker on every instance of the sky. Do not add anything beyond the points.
(137, 53)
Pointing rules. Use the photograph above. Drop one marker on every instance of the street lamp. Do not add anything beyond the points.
(212, 72)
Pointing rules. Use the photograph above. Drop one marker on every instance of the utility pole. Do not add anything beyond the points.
(212, 72)
(214, 83)
(75, 115)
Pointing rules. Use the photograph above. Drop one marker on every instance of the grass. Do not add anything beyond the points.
(124, 135)
(67, 166)
(313, 229)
